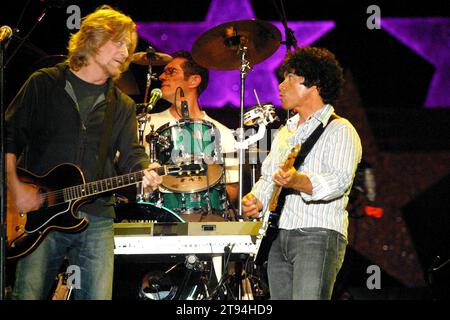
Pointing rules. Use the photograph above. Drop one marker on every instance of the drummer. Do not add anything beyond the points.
(183, 72)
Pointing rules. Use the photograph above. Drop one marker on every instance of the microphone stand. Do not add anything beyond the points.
(245, 66)
(3, 225)
(3, 182)
(142, 121)
(3, 177)
(25, 38)
(290, 41)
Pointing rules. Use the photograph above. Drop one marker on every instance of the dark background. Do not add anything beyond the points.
(386, 85)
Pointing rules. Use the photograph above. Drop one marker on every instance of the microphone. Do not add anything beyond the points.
(5, 33)
(156, 94)
(184, 105)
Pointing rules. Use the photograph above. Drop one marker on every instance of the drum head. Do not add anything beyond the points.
(191, 141)
(194, 183)
(144, 211)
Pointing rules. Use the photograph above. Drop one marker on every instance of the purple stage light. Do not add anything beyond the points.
(429, 38)
(224, 86)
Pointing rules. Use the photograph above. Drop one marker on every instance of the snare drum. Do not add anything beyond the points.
(190, 141)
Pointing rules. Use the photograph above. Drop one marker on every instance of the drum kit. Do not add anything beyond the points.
(236, 45)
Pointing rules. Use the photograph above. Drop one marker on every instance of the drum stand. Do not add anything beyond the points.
(267, 115)
(144, 117)
(245, 66)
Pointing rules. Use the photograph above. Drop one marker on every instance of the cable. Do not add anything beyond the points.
(175, 103)
(225, 275)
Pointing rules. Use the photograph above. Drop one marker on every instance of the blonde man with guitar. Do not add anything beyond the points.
(305, 182)
(64, 128)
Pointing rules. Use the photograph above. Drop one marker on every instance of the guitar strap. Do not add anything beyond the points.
(108, 121)
(304, 151)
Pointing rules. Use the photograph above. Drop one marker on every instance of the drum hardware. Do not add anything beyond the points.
(192, 264)
(260, 114)
(253, 161)
(149, 58)
(142, 121)
(237, 45)
(182, 281)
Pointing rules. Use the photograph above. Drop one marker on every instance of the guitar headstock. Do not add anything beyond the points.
(192, 169)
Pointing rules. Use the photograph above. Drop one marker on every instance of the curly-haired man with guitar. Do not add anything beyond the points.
(305, 181)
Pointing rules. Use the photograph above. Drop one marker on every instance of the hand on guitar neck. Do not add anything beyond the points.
(151, 180)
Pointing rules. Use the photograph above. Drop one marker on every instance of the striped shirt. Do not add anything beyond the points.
(330, 166)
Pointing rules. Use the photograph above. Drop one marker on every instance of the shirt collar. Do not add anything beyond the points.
(322, 115)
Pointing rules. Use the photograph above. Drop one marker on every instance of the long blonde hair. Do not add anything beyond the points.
(104, 24)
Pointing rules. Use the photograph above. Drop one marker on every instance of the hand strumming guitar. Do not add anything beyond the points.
(251, 206)
(25, 196)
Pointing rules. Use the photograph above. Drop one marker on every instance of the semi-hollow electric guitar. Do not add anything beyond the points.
(269, 223)
(63, 190)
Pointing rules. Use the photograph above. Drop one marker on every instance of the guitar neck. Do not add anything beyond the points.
(274, 199)
(288, 164)
(109, 184)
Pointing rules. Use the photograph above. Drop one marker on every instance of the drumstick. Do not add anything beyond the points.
(257, 99)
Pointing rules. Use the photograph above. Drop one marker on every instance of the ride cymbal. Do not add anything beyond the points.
(155, 58)
(218, 48)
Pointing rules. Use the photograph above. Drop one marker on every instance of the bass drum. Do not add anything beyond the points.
(144, 211)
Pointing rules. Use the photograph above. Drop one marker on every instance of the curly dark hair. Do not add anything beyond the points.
(319, 67)
(190, 68)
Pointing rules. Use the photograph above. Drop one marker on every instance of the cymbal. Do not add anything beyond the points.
(127, 83)
(159, 59)
(218, 47)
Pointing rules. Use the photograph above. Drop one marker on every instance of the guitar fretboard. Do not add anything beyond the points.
(105, 185)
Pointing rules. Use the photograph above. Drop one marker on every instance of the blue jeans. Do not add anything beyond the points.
(91, 251)
(303, 263)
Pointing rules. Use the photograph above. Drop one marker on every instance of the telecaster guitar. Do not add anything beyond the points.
(269, 223)
(64, 190)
